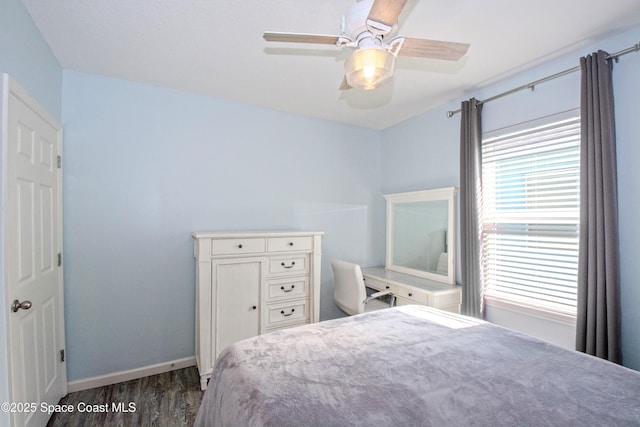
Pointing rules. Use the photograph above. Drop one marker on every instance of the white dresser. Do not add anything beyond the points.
(249, 283)
(413, 289)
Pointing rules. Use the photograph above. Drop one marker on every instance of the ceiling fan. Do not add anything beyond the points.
(365, 27)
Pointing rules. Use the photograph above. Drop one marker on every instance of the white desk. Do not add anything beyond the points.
(414, 290)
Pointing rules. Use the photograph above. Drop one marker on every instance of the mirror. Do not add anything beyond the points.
(421, 233)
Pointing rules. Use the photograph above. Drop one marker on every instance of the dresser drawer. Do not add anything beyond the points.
(287, 326)
(284, 244)
(295, 287)
(237, 246)
(287, 313)
(294, 264)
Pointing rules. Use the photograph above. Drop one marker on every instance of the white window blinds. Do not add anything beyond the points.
(530, 218)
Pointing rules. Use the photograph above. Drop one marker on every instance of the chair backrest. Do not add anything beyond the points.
(349, 292)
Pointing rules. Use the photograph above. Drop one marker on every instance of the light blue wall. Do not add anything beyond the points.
(27, 58)
(627, 94)
(144, 167)
(423, 153)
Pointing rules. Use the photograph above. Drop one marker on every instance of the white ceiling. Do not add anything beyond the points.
(215, 48)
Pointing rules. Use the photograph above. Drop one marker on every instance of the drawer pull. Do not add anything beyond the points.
(287, 315)
(239, 246)
(387, 287)
(288, 266)
(287, 290)
(253, 307)
(410, 294)
(290, 243)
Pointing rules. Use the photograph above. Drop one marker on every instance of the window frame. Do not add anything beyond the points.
(494, 297)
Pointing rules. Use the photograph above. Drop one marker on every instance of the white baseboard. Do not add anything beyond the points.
(132, 374)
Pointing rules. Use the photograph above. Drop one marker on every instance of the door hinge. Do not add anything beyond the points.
(59, 162)
(62, 355)
(59, 259)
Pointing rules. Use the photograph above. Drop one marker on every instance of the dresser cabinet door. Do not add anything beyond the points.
(236, 285)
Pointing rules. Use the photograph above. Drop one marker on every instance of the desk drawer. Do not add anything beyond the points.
(284, 244)
(379, 285)
(237, 246)
(416, 296)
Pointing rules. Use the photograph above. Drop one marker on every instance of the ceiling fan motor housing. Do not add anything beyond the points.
(355, 26)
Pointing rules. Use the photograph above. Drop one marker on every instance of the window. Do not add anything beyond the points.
(530, 216)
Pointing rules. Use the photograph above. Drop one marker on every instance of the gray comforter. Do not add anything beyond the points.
(414, 366)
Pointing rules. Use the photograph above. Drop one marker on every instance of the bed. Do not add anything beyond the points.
(414, 366)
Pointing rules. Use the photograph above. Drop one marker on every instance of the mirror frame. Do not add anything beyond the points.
(448, 194)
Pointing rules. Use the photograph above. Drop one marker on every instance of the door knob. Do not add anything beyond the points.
(17, 305)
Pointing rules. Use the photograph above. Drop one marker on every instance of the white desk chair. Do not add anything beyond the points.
(350, 293)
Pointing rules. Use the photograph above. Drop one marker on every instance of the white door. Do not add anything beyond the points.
(33, 271)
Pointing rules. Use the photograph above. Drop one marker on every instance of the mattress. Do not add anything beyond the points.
(414, 366)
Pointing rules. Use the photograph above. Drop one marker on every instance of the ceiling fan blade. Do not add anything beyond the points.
(434, 49)
(344, 85)
(301, 38)
(385, 12)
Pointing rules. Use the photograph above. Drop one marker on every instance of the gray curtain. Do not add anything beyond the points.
(470, 184)
(598, 315)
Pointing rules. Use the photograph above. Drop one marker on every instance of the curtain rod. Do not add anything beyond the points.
(532, 85)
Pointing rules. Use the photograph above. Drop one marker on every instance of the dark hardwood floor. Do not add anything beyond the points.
(168, 399)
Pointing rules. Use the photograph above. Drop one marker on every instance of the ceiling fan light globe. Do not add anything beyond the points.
(369, 68)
